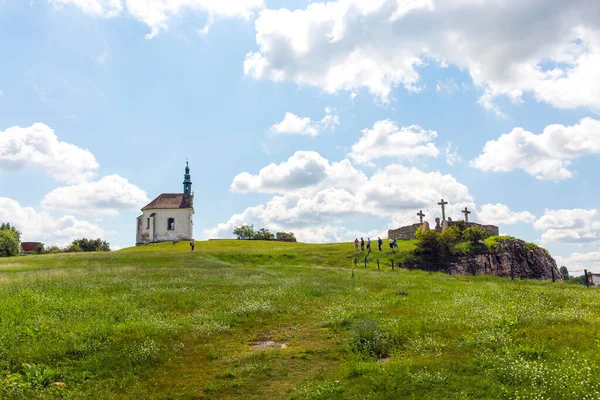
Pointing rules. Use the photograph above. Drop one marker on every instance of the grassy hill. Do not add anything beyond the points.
(239, 319)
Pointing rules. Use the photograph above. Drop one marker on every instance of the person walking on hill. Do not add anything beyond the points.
(395, 244)
(368, 244)
(192, 244)
(379, 242)
(356, 243)
(391, 244)
(362, 244)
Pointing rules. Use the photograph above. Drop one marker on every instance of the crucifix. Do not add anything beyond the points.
(466, 212)
(421, 215)
(443, 203)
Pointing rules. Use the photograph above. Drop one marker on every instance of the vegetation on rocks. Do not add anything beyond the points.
(161, 322)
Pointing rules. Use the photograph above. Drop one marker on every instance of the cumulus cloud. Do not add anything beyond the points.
(386, 139)
(302, 170)
(156, 13)
(336, 193)
(42, 226)
(545, 156)
(292, 124)
(38, 146)
(500, 214)
(548, 48)
(577, 261)
(104, 197)
(569, 226)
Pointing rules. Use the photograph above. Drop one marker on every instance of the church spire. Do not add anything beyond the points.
(187, 182)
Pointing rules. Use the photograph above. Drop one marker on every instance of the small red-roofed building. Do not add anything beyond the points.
(169, 217)
(29, 247)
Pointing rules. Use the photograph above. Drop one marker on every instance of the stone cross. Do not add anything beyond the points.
(443, 203)
(421, 215)
(466, 212)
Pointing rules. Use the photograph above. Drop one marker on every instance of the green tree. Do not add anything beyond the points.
(264, 234)
(430, 246)
(91, 244)
(39, 249)
(474, 235)
(244, 232)
(289, 236)
(564, 272)
(10, 240)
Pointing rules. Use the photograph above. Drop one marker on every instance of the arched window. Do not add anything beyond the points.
(171, 224)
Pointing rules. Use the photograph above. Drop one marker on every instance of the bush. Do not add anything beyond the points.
(564, 272)
(39, 249)
(264, 234)
(52, 250)
(286, 236)
(72, 248)
(91, 244)
(369, 340)
(10, 241)
(474, 235)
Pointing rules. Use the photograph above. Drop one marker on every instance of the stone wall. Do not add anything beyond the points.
(404, 233)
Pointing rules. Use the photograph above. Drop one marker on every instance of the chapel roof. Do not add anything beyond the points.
(171, 200)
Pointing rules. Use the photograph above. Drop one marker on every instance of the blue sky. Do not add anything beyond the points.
(332, 120)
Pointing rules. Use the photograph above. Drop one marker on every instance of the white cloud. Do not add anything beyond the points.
(38, 146)
(305, 169)
(569, 226)
(295, 125)
(452, 156)
(335, 193)
(104, 197)
(500, 214)
(548, 48)
(386, 139)
(156, 13)
(101, 8)
(544, 156)
(578, 261)
(42, 226)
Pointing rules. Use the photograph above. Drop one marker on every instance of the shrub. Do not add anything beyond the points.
(474, 235)
(91, 244)
(288, 236)
(52, 250)
(72, 248)
(564, 272)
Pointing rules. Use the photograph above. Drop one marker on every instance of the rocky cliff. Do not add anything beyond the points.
(525, 261)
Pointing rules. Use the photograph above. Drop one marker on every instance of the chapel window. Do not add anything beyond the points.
(171, 224)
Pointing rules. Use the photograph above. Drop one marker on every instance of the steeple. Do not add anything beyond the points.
(187, 183)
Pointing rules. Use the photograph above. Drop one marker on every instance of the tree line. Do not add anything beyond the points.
(247, 232)
(10, 244)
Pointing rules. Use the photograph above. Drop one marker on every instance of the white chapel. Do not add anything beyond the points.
(169, 217)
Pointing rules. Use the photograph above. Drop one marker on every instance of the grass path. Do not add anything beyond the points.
(158, 322)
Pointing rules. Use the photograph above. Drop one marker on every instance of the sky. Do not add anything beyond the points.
(333, 120)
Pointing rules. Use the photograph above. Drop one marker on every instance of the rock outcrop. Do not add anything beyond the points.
(526, 262)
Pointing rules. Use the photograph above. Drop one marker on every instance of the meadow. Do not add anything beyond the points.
(249, 319)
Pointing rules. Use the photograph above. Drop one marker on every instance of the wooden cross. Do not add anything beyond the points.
(466, 212)
(421, 215)
(443, 203)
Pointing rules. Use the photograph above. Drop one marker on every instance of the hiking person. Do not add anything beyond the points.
(362, 244)
(356, 243)
(369, 244)
(192, 244)
(395, 244)
(379, 242)
(391, 244)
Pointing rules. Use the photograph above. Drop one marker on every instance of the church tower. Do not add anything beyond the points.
(187, 183)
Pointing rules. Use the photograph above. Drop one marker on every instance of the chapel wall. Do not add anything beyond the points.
(158, 231)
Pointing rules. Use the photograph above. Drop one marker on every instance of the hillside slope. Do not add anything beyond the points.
(250, 320)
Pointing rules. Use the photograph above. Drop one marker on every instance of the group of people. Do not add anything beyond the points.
(393, 244)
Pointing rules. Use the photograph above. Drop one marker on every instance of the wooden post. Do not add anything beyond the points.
(587, 280)
(365, 262)
(512, 271)
(392, 265)
(553, 277)
(378, 264)
(355, 261)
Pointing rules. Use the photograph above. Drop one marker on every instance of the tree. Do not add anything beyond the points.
(429, 246)
(90, 244)
(564, 272)
(39, 249)
(10, 241)
(264, 234)
(244, 232)
(474, 235)
(285, 236)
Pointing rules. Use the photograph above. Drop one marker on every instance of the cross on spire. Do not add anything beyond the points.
(421, 215)
(443, 203)
(466, 212)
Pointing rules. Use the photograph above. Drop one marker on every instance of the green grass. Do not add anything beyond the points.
(158, 322)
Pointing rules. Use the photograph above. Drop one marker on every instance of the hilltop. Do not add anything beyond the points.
(249, 319)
